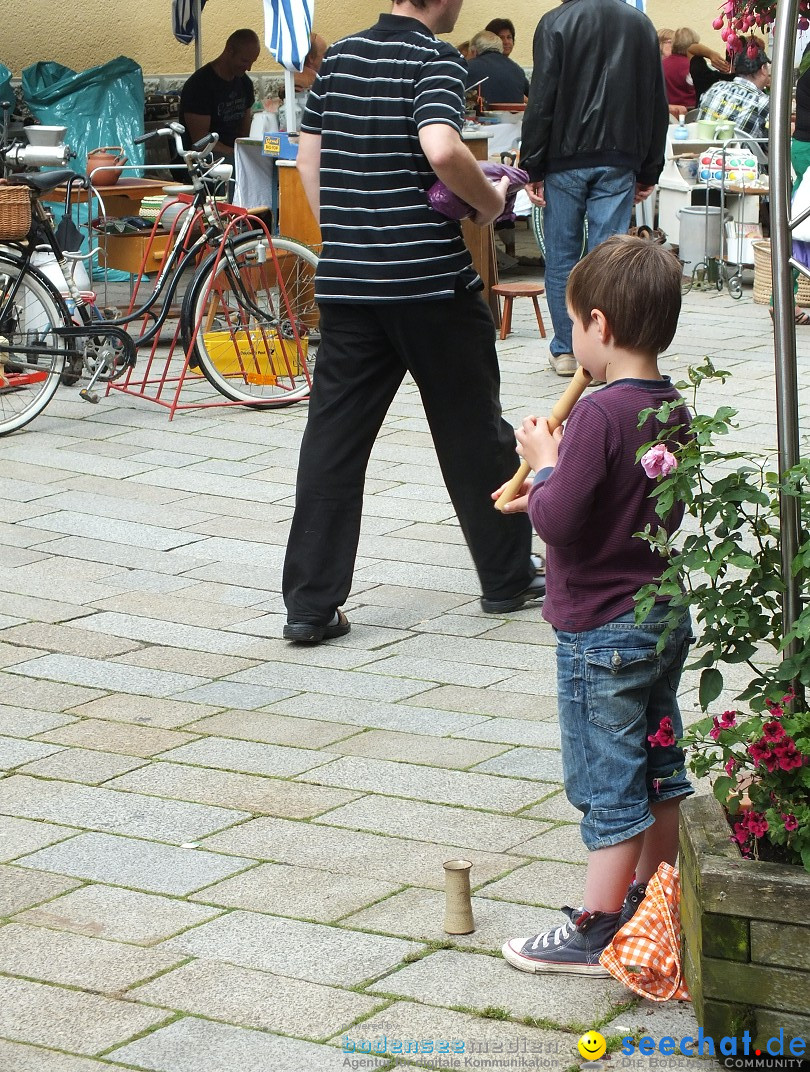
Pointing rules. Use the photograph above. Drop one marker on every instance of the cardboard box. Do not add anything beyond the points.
(125, 252)
(255, 355)
(281, 145)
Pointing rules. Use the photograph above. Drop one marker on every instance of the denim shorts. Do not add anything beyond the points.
(614, 688)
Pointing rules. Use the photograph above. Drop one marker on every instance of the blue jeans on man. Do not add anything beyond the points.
(603, 195)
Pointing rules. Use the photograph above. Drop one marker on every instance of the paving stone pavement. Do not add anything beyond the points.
(221, 852)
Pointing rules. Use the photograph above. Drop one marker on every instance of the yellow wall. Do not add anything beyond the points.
(87, 32)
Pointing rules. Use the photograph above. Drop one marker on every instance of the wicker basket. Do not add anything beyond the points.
(15, 213)
(763, 284)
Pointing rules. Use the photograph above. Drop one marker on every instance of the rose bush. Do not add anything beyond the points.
(726, 567)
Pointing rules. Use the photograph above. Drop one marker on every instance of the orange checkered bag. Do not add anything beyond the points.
(645, 954)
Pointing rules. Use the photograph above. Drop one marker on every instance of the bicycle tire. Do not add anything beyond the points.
(249, 356)
(27, 322)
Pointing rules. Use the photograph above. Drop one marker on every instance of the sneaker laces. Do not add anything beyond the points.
(556, 937)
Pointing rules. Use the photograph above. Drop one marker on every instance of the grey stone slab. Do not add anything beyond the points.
(544, 764)
(377, 715)
(423, 783)
(542, 883)
(270, 728)
(192, 1045)
(515, 731)
(67, 1019)
(20, 888)
(123, 508)
(129, 740)
(475, 1042)
(302, 892)
(284, 947)
(141, 865)
(117, 914)
(560, 843)
(180, 660)
(310, 844)
(81, 765)
(249, 757)
(491, 702)
(15, 653)
(419, 915)
(192, 613)
(171, 563)
(234, 694)
(555, 807)
(14, 751)
(258, 999)
(78, 960)
(356, 683)
(16, 1057)
(439, 670)
(108, 675)
(104, 809)
(22, 583)
(42, 695)
(452, 978)
(153, 630)
(21, 836)
(68, 639)
(19, 722)
(145, 710)
(464, 827)
(112, 530)
(247, 792)
(415, 748)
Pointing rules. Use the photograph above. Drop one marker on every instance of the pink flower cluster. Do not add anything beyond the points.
(658, 461)
(775, 750)
(664, 736)
(739, 19)
(724, 722)
(750, 824)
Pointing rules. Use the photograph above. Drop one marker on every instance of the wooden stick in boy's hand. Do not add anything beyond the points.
(559, 412)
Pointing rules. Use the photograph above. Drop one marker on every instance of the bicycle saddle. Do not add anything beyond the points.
(43, 181)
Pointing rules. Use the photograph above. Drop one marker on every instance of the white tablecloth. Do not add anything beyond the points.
(253, 174)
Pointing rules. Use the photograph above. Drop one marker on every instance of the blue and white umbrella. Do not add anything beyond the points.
(287, 26)
(186, 24)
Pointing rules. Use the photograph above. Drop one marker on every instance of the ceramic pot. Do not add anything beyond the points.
(109, 159)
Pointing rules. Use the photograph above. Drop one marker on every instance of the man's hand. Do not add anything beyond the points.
(642, 193)
(536, 194)
(677, 109)
(481, 219)
(537, 444)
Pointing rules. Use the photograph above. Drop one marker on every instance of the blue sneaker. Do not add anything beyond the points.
(573, 948)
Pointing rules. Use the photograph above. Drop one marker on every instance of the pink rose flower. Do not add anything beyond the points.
(728, 719)
(664, 736)
(658, 461)
(791, 822)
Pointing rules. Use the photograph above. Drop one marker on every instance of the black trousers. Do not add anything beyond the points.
(449, 349)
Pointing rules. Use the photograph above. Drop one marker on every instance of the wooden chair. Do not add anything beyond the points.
(510, 291)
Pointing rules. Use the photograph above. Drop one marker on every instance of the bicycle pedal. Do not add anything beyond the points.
(88, 396)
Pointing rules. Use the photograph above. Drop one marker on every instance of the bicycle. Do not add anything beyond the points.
(248, 319)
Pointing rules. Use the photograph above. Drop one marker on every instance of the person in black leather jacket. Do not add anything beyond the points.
(594, 134)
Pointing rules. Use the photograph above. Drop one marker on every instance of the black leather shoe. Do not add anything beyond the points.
(534, 593)
(312, 633)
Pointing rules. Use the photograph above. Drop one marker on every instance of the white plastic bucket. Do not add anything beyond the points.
(47, 263)
(700, 235)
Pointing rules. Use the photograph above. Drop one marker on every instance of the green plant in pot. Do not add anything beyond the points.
(745, 852)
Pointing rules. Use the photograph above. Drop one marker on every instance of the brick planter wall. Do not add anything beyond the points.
(746, 932)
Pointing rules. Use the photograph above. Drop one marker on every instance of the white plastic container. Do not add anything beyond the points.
(700, 235)
(47, 263)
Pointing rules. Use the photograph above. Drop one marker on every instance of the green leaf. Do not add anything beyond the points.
(711, 685)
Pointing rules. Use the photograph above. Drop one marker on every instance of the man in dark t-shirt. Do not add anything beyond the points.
(218, 97)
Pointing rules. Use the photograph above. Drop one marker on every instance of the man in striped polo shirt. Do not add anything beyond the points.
(397, 293)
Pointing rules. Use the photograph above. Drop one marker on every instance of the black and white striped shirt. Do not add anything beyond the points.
(382, 240)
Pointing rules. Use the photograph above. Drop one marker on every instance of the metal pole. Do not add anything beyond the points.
(787, 409)
(198, 35)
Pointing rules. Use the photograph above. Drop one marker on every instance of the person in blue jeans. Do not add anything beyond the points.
(617, 679)
(593, 138)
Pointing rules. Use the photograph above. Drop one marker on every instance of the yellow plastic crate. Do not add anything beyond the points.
(254, 355)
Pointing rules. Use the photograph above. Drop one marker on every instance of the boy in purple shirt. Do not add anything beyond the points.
(617, 694)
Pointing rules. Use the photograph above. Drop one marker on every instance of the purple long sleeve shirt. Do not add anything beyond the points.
(596, 497)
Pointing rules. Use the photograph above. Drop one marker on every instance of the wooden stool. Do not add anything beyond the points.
(510, 291)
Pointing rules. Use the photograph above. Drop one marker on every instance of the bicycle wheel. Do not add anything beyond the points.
(245, 345)
(32, 355)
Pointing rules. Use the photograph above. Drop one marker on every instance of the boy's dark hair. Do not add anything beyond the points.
(636, 284)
